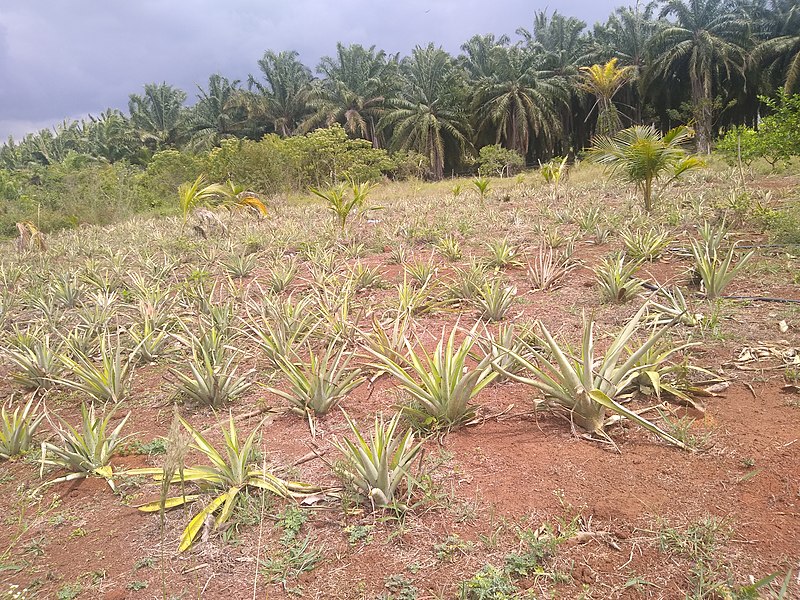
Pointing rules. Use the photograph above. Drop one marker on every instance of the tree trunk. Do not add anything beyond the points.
(703, 113)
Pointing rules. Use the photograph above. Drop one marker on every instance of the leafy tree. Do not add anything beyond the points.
(426, 117)
(642, 156)
(281, 99)
(499, 161)
(705, 43)
(158, 115)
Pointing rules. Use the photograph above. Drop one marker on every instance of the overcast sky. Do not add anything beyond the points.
(68, 58)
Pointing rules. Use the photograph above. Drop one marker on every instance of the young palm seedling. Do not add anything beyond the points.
(714, 270)
(615, 278)
(446, 385)
(587, 386)
(231, 472)
(320, 384)
(483, 187)
(494, 299)
(647, 244)
(380, 465)
(17, 429)
(85, 450)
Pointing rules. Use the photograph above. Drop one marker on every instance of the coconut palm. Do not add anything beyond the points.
(158, 115)
(353, 91)
(517, 99)
(426, 116)
(604, 81)
(281, 99)
(706, 42)
(642, 156)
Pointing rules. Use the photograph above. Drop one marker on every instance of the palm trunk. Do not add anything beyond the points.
(703, 113)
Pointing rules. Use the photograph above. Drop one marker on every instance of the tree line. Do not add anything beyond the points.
(544, 93)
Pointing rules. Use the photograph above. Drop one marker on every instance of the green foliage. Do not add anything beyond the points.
(641, 155)
(380, 465)
(498, 161)
(17, 429)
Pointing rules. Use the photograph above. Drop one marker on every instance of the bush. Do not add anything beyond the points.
(499, 161)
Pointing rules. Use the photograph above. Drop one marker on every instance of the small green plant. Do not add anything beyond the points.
(17, 429)
(645, 244)
(490, 583)
(586, 385)
(108, 382)
(240, 266)
(232, 472)
(494, 299)
(714, 270)
(502, 253)
(449, 247)
(282, 276)
(420, 272)
(447, 385)
(380, 465)
(483, 187)
(36, 361)
(69, 591)
(547, 269)
(85, 450)
(554, 172)
(616, 279)
(318, 385)
(340, 205)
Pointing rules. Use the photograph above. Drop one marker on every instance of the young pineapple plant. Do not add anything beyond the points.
(378, 466)
(496, 347)
(716, 269)
(502, 253)
(548, 269)
(645, 244)
(364, 277)
(232, 471)
(468, 282)
(36, 362)
(212, 379)
(585, 385)
(449, 247)
(282, 276)
(447, 385)
(420, 272)
(108, 381)
(616, 278)
(494, 300)
(320, 384)
(279, 326)
(240, 266)
(18, 428)
(86, 450)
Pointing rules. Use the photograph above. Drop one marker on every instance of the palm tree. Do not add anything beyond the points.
(281, 100)
(706, 41)
(353, 91)
(642, 156)
(516, 99)
(111, 137)
(604, 81)
(477, 59)
(158, 115)
(565, 48)
(626, 36)
(426, 116)
(218, 114)
(781, 52)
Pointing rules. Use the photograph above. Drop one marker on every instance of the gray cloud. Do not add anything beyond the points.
(67, 59)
